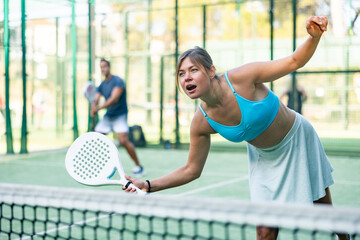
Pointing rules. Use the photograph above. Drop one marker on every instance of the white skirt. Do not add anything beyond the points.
(296, 170)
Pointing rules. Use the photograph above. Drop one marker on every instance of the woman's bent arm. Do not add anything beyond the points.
(199, 149)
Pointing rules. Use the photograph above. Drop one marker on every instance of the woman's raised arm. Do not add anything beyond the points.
(259, 72)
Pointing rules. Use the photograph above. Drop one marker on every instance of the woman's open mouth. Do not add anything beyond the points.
(190, 88)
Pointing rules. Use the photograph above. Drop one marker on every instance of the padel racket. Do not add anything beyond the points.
(93, 159)
(90, 92)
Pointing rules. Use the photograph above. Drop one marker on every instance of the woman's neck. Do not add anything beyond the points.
(215, 95)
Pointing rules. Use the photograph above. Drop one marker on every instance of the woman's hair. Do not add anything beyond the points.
(198, 56)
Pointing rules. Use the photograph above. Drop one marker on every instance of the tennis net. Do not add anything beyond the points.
(37, 212)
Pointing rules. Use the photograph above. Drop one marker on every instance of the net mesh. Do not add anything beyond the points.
(35, 212)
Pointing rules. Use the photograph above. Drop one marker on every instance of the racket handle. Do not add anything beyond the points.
(138, 190)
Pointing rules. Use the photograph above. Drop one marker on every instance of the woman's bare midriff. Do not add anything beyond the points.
(277, 130)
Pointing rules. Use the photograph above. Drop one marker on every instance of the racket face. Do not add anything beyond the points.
(90, 92)
(92, 159)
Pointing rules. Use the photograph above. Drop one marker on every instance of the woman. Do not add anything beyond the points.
(286, 160)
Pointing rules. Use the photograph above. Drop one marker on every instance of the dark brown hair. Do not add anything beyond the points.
(104, 60)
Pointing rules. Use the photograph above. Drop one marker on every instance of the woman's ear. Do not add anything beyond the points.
(212, 72)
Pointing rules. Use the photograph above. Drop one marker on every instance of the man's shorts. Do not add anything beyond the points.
(117, 124)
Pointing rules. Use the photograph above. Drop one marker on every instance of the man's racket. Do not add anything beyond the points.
(90, 92)
(93, 159)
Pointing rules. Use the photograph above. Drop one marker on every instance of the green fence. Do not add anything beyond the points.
(50, 49)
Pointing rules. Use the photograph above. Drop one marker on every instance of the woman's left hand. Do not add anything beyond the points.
(316, 25)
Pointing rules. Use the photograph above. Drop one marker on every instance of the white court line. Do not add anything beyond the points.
(213, 186)
(65, 227)
(345, 182)
(61, 164)
(34, 163)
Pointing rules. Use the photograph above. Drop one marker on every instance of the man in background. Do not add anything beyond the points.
(112, 88)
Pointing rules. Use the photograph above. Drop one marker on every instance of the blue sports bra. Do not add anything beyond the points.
(256, 117)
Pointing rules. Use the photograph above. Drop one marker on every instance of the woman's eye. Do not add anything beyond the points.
(194, 70)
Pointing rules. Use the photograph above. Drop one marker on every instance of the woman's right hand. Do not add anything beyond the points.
(138, 183)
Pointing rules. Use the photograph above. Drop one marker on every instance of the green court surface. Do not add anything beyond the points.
(224, 176)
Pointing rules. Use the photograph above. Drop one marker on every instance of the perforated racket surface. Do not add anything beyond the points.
(89, 91)
(93, 159)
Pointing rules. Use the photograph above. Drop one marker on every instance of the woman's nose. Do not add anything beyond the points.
(187, 76)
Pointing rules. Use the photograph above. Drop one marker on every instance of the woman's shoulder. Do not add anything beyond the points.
(239, 78)
(241, 74)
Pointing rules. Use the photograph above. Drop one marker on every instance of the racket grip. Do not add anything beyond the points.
(138, 190)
